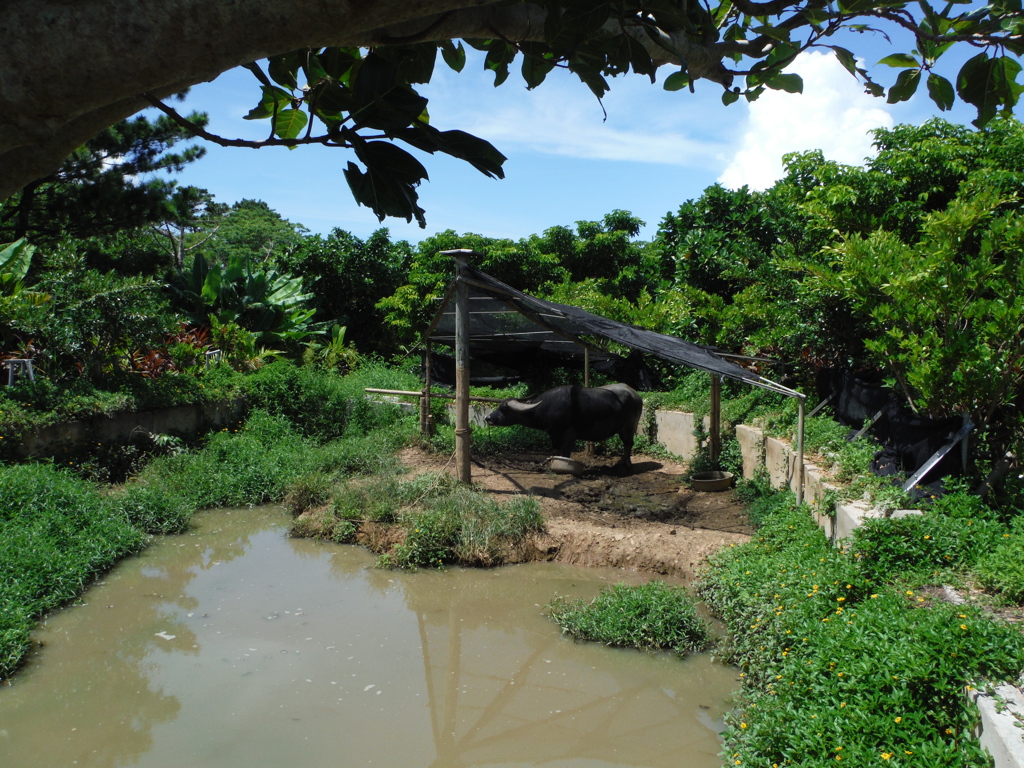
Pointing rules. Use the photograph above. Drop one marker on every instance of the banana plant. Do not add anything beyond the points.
(266, 302)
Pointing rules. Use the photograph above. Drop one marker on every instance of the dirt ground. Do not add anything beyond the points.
(645, 518)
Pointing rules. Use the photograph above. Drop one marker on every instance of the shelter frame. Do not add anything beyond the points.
(569, 324)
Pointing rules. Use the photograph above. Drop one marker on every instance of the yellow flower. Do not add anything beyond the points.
(743, 725)
(886, 755)
(949, 730)
(963, 626)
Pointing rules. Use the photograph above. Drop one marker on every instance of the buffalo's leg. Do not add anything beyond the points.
(627, 449)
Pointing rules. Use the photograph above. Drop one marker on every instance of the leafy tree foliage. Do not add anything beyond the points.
(104, 186)
(606, 252)
(947, 312)
(251, 229)
(348, 276)
(94, 321)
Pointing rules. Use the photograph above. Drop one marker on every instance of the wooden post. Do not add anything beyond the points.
(716, 418)
(589, 447)
(463, 433)
(426, 423)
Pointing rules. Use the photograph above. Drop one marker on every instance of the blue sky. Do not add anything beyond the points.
(566, 161)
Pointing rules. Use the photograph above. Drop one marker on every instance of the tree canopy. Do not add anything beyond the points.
(342, 74)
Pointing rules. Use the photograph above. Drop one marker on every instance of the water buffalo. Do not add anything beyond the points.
(570, 413)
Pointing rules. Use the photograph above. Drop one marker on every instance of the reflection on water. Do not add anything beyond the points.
(237, 646)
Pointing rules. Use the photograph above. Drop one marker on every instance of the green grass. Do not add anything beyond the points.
(952, 534)
(57, 532)
(653, 616)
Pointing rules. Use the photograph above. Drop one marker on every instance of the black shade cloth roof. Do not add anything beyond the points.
(505, 321)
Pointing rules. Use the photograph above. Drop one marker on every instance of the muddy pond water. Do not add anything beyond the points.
(235, 645)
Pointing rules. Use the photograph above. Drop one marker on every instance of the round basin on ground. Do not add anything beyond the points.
(711, 481)
(562, 465)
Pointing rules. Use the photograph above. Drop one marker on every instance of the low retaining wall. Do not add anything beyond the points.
(181, 421)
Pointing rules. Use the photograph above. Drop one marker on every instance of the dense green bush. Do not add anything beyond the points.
(951, 534)
(652, 616)
(837, 665)
(465, 527)
(260, 461)
(326, 406)
(153, 508)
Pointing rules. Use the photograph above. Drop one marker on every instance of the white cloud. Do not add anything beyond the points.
(833, 114)
(562, 118)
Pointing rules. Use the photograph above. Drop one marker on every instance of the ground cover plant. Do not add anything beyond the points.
(652, 616)
(841, 666)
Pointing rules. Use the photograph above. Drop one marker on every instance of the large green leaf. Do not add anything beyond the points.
(273, 98)
(499, 55)
(479, 153)
(289, 123)
(988, 84)
(454, 55)
(941, 91)
(905, 86)
(537, 62)
(338, 62)
(676, 81)
(284, 69)
(900, 60)
(382, 102)
(413, 63)
(212, 287)
(15, 260)
(790, 83)
(388, 185)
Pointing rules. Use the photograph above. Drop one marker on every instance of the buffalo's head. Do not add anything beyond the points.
(509, 413)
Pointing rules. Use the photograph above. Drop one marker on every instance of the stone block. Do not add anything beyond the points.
(851, 515)
(674, 430)
(751, 440)
(779, 462)
(999, 731)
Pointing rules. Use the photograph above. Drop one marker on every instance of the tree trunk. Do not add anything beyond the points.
(69, 70)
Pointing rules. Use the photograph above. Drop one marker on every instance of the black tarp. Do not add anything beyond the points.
(509, 325)
(908, 440)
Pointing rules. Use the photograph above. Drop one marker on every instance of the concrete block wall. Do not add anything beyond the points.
(180, 420)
